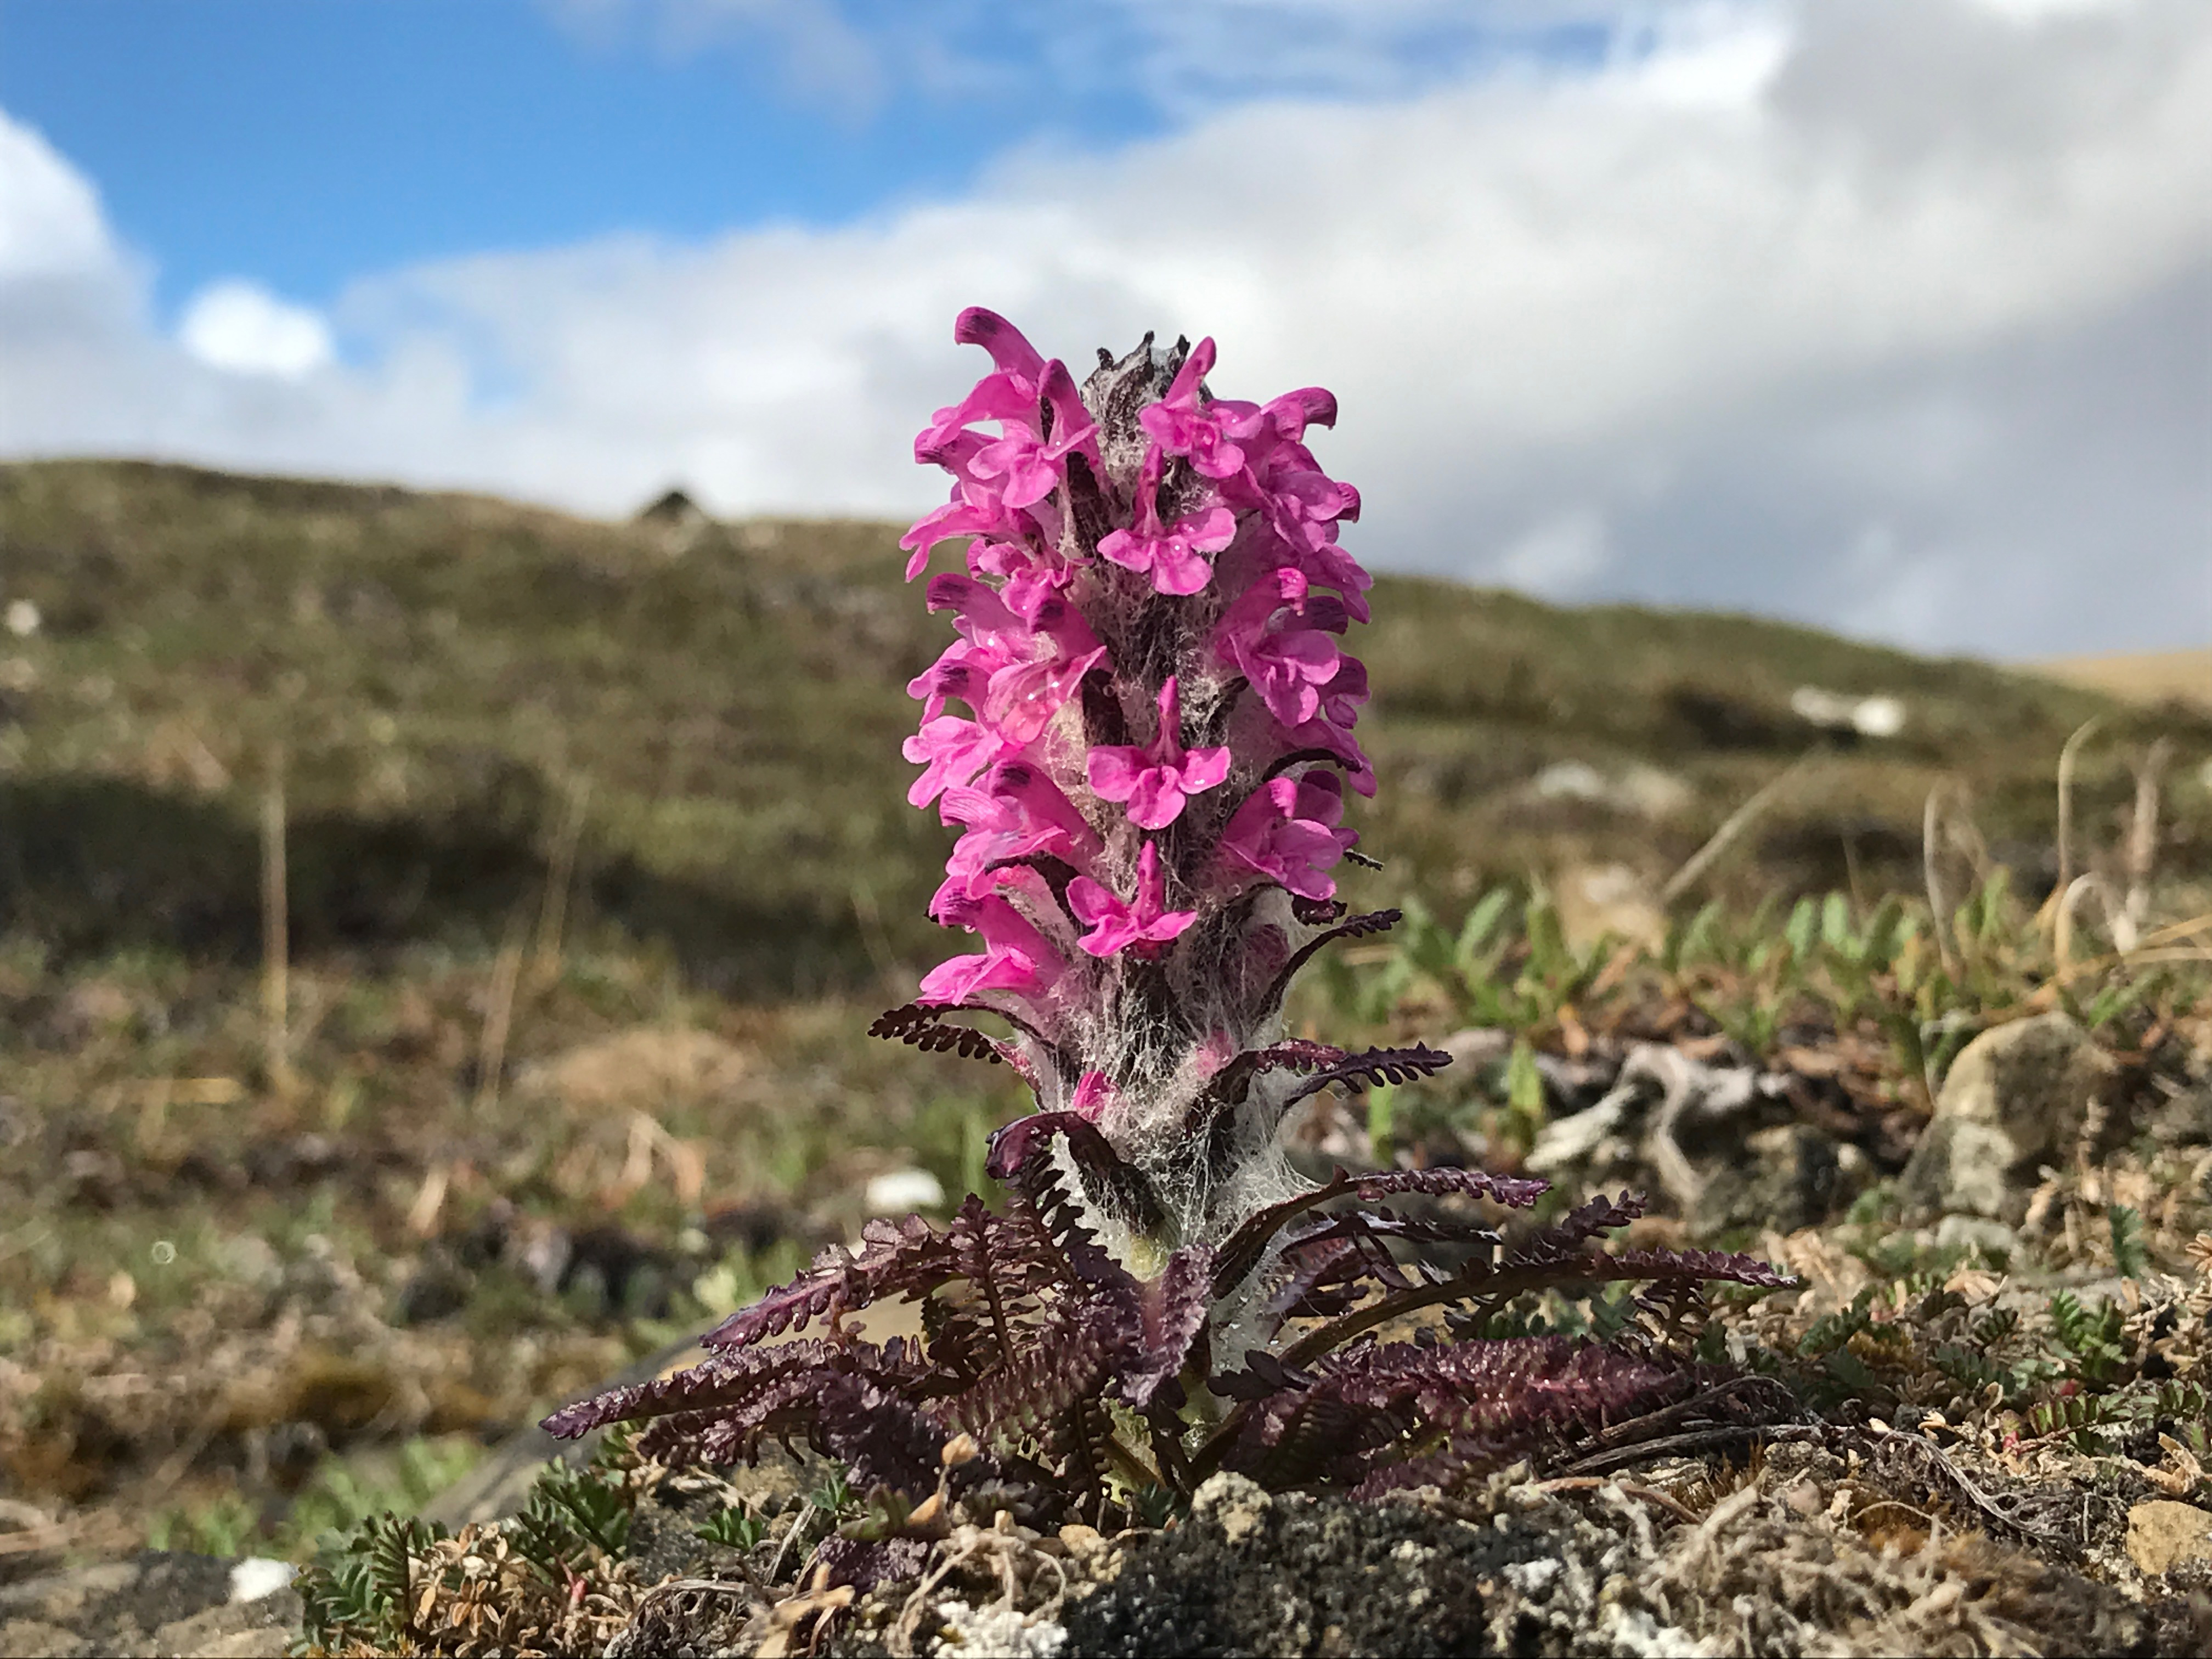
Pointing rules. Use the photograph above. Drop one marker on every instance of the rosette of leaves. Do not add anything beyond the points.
(1084, 1384)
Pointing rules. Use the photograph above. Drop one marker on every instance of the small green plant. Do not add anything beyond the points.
(225, 1525)
(2090, 1339)
(572, 1516)
(343, 1492)
(2130, 1254)
(833, 1497)
(358, 1594)
(736, 1528)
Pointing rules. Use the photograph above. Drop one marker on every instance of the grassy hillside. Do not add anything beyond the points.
(240, 1301)
(442, 670)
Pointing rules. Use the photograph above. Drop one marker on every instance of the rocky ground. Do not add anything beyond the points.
(1996, 1353)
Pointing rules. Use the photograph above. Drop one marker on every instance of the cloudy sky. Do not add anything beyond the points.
(1890, 315)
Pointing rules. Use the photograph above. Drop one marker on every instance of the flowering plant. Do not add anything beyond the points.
(1149, 779)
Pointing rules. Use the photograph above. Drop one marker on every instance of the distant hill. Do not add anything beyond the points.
(2147, 676)
(440, 669)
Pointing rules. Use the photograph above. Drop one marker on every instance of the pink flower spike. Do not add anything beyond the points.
(1116, 925)
(1157, 779)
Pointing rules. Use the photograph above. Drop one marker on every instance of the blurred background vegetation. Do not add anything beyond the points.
(596, 863)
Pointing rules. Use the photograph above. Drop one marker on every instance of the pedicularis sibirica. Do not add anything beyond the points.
(1143, 731)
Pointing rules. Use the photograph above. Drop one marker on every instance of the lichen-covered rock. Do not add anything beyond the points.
(2016, 1097)
(2163, 1534)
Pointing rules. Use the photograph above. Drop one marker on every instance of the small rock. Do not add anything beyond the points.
(902, 1191)
(2162, 1534)
(1876, 716)
(1235, 1503)
(1995, 1241)
(1608, 901)
(436, 1290)
(996, 1632)
(1791, 1177)
(1567, 1142)
(2016, 1098)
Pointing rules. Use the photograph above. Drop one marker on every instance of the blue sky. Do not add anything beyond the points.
(305, 142)
(1894, 316)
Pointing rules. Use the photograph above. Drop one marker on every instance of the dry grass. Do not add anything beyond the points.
(2142, 677)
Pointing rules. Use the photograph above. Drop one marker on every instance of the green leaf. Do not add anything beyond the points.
(1698, 940)
(733, 1529)
(2129, 1252)
(1804, 920)
(1481, 922)
(1382, 1107)
(1836, 923)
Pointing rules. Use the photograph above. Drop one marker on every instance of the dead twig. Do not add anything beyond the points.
(2067, 757)
(1731, 828)
(553, 907)
(491, 1052)
(2142, 837)
(1650, 1495)
(275, 933)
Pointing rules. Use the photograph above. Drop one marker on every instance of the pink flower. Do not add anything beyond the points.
(1156, 779)
(1000, 397)
(1180, 425)
(1169, 555)
(1017, 958)
(1015, 671)
(1013, 811)
(953, 750)
(1094, 1094)
(1009, 347)
(1287, 832)
(1116, 925)
(1272, 636)
(1030, 466)
(958, 517)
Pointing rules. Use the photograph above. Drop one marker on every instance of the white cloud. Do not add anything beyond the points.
(815, 50)
(1681, 326)
(50, 223)
(242, 328)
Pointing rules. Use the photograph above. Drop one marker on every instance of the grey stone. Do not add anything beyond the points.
(2017, 1098)
(1790, 1178)
(1995, 1241)
(156, 1603)
(1960, 1167)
